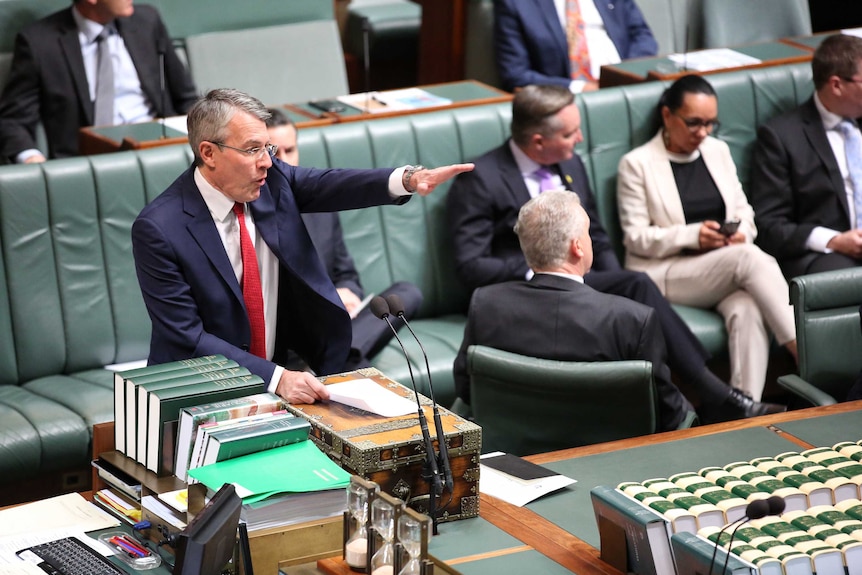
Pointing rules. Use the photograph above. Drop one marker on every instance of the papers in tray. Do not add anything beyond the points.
(370, 396)
(713, 59)
(516, 480)
(394, 100)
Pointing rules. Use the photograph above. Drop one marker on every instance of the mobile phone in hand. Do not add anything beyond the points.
(729, 227)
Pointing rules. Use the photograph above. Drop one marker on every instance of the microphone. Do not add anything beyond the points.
(366, 60)
(380, 308)
(776, 505)
(162, 50)
(397, 308)
(754, 510)
(773, 505)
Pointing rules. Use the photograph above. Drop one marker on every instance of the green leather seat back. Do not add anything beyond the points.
(310, 62)
(828, 331)
(736, 22)
(185, 18)
(527, 405)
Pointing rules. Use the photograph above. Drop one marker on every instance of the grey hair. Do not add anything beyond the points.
(546, 226)
(535, 109)
(208, 118)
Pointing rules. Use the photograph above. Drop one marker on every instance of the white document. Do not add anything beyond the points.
(177, 123)
(127, 365)
(852, 32)
(713, 59)
(368, 395)
(517, 491)
(362, 305)
(64, 511)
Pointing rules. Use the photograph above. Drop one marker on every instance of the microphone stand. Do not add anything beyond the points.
(366, 62)
(162, 83)
(430, 471)
(397, 308)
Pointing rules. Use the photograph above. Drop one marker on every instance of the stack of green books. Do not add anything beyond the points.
(148, 400)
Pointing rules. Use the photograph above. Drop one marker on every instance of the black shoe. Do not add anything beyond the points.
(738, 406)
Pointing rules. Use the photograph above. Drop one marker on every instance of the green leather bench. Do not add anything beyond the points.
(69, 299)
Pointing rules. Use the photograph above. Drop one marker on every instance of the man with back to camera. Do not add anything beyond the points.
(234, 204)
(55, 72)
(806, 175)
(566, 42)
(482, 209)
(370, 334)
(554, 234)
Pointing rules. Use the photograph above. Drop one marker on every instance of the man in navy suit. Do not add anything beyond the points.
(370, 335)
(532, 48)
(53, 76)
(188, 251)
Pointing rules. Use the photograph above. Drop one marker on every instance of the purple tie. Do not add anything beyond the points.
(546, 179)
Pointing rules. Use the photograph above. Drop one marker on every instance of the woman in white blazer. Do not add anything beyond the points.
(689, 226)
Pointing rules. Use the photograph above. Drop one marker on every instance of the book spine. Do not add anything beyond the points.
(165, 405)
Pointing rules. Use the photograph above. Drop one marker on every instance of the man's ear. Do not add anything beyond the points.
(207, 153)
(575, 248)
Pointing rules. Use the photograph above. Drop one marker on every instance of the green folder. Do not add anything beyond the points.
(295, 468)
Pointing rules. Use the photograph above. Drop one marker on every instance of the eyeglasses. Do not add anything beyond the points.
(695, 124)
(256, 153)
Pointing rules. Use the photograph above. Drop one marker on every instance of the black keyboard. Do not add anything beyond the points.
(69, 556)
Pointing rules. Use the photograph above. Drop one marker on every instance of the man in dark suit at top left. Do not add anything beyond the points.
(55, 69)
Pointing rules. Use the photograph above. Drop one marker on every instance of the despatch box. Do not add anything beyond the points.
(390, 450)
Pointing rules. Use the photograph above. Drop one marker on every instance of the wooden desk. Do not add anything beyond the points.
(106, 139)
(271, 548)
(531, 527)
(638, 70)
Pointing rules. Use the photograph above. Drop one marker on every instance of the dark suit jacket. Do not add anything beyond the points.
(483, 207)
(531, 45)
(47, 81)
(191, 292)
(587, 326)
(328, 239)
(796, 185)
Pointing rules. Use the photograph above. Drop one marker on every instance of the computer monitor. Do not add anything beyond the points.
(207, 543)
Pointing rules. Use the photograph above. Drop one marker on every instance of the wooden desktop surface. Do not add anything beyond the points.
(537, 533)
(637, 70)
(106, 139)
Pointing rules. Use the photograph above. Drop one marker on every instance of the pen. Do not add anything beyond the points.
(125, 546)
(134, 543)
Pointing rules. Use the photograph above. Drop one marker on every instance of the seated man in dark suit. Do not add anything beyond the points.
(806, 177)
(555, 42)
(370, 334)
(555, 315)
(55, 72)
(483, 207)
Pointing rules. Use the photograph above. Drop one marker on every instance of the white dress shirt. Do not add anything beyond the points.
(601, 48)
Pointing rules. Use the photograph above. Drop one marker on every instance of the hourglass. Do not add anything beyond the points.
(413, 529)
(360, 495)
(384, 513)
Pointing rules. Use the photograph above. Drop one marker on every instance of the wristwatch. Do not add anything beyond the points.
(408, 173)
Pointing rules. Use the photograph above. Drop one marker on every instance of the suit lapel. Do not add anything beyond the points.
(70, 47)
(548, 14)
(139, 45)
(511, 177)
(203, 230)
(816, 134)
(665, 183)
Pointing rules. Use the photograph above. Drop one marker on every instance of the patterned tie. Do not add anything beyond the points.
(579, 54)
(853, 151)
(546, 179)
(251, 290)
(104, 103)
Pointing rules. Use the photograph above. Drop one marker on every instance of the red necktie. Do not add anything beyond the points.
(579, 54)
(251, 290)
